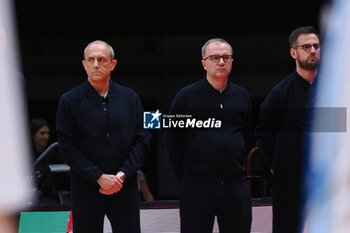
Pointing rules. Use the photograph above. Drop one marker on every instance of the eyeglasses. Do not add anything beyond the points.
(216, 58)
(307, 47)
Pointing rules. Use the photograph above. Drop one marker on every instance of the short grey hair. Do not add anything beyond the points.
(220, 40)
(111, 51)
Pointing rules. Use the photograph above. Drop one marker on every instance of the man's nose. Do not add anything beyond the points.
(95, 63)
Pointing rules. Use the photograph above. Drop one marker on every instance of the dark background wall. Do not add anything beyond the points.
(157, 44)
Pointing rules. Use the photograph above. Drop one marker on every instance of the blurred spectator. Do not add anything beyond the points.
(40, 135)
(40, 131)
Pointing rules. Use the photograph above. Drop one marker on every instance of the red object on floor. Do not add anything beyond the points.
(70, 223)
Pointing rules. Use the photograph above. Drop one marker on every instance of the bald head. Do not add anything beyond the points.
(100, 42)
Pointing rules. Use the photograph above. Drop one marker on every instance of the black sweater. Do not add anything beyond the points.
(92, 144)
(211, 152)
(282, 125)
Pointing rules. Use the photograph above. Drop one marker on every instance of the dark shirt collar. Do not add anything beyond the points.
(93, 91)
(305, 84)
(227, 88)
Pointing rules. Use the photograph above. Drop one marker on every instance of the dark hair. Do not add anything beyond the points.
(299, 31)
(36, 124)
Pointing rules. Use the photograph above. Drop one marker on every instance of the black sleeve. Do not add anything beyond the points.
(269, 123)
(141, 144)
(175, 138)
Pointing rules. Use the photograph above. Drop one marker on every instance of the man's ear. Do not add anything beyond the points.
(293, 52)
(204, 66)
(114, 63)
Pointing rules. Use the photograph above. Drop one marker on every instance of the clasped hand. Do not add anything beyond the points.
(110, 184)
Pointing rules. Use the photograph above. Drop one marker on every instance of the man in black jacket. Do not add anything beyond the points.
(100, 135)
(209, 152)
(283, 122)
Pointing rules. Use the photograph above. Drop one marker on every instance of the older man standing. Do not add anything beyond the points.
(100, 135)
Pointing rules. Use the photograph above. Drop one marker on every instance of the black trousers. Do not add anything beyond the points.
(89, 208)
(202, 200)
(288, 206)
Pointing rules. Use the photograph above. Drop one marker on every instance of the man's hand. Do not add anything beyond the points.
(121, 176)
(109, 184)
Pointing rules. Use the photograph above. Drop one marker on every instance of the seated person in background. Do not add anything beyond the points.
(143, 187)
(40, 132)
(40, 135)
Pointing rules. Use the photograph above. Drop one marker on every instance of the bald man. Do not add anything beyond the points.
(100, 135)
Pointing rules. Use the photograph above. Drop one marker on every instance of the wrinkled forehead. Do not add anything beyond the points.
(96, 49)
(219, 47)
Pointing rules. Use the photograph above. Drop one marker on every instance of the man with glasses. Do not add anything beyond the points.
(211, 161)
(283, 124)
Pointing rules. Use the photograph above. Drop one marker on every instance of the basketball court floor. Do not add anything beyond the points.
(156, 217)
